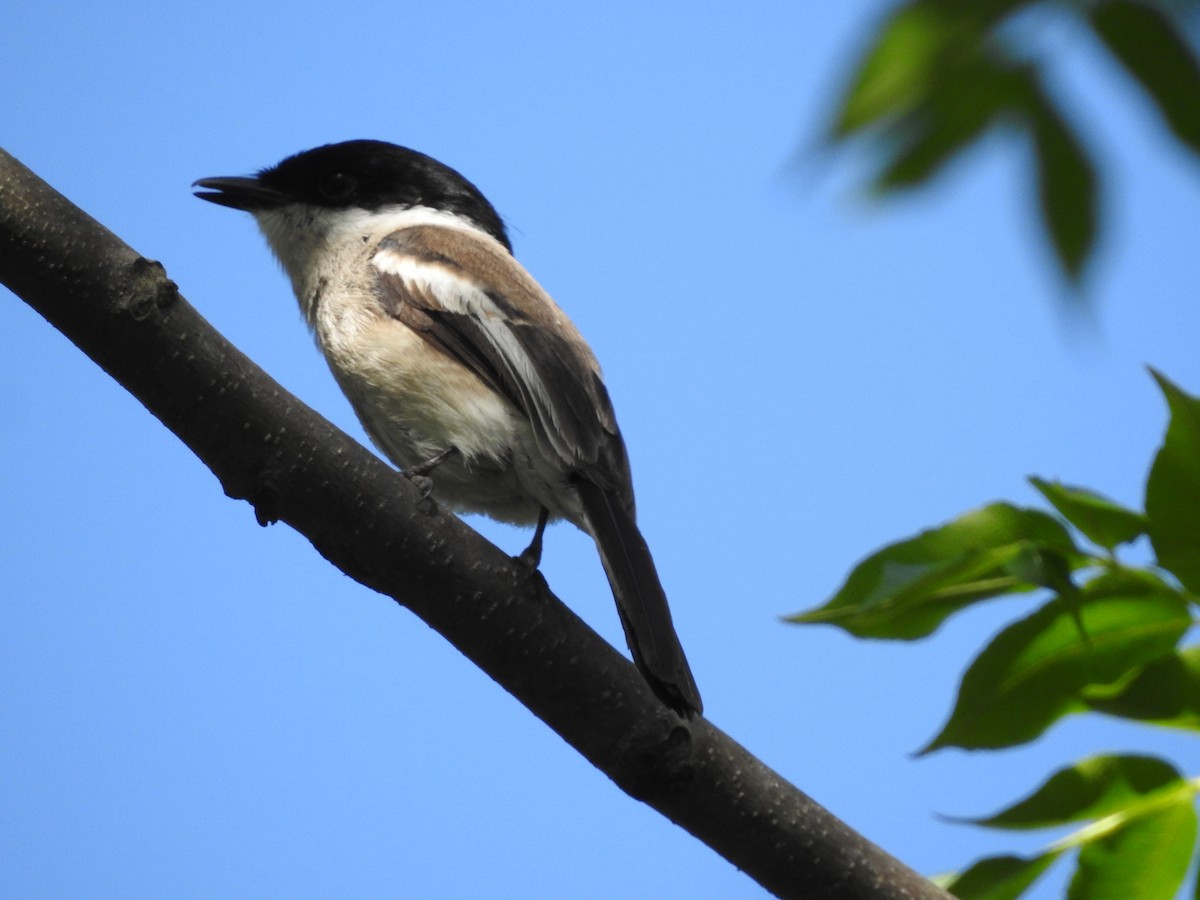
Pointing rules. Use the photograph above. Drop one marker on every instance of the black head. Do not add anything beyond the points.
(365, 175)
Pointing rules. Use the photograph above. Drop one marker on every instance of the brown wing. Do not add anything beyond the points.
(468, 297)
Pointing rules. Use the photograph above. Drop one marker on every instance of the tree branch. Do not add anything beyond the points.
(270, 449)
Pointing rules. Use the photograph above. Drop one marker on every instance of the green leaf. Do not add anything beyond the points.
(925, 144)
(1146, 858)
(1136, 845)
(1104, 522)
(1066, 184)
(956, 111)
(1035, 670)
(1173, 489)
(894, 74)
(1095, 787)
(1156, 52)
(1164, 692)
(923, 47)
(1040, 567)
(907, 589)
(998, 877)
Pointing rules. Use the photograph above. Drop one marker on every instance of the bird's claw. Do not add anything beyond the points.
(422, 483)
(531, 556)
(419, 474)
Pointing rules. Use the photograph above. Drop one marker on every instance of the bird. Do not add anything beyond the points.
(462, 370)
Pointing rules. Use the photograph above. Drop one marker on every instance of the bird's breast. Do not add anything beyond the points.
(415, 402)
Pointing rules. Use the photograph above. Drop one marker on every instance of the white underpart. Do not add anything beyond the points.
(414, 400)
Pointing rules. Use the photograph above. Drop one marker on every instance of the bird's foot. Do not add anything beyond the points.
(419, 474)
(422, 483)
(531, 556)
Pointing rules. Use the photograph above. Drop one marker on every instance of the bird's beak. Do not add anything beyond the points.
(238, 192)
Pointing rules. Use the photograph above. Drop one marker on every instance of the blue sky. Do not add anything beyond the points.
(195, 706)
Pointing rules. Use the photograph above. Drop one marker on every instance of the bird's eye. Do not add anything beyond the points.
(338, 186)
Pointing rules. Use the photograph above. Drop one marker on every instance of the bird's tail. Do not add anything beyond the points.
(641, 601)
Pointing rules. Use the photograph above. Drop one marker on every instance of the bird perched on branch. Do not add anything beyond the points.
(462, 370)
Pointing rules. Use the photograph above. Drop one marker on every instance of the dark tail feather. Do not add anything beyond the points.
(640, 600)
